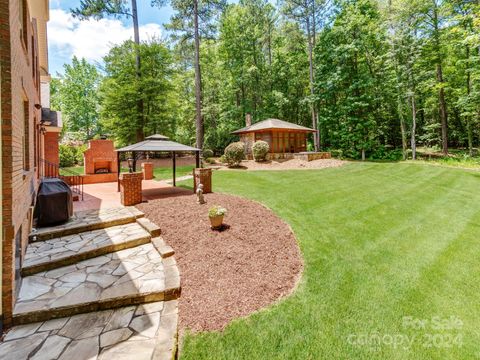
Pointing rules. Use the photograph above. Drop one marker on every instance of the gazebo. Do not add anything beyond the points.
(283, 137)
(156, 143)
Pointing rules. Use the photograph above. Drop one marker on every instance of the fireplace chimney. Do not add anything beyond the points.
(248, 119)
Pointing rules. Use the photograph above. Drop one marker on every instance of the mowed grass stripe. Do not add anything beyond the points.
(380, 242)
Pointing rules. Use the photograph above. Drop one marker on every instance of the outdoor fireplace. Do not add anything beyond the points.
(102, 167)
(100, 160)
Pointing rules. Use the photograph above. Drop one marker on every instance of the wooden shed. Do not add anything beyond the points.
(283, 137)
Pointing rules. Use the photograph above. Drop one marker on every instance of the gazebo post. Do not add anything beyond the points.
(118, 171)
(174, 163)
(197, 159)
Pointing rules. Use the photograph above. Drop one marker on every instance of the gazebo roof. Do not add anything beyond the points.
(272, 124)
(158, 143)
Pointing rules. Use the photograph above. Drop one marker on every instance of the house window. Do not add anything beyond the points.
(23, 22)
(26, 135)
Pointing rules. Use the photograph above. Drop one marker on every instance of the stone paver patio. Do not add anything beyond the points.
(66, 250)
(142, 332)
(124, 277)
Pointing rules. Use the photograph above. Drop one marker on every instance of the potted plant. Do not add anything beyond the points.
(216, 214)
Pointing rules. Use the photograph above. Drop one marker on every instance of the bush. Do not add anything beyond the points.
(234, 153)
(71, 155)
(386, 153)
(336, 153)
(207, 153)
(79, 154)
(260, 150)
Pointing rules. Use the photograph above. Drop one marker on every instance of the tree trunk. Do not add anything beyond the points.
(442, 105)
(413, 142)
(198, 81)
(402, 127)
(139, 134)
(442, 110)
(312, 90)
(469, 87)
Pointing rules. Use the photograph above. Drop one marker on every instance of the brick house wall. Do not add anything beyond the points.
(50, 152)
(20, 92)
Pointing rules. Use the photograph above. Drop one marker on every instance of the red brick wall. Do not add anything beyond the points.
(131, 188)
(18, 185)
(147, 169)
(100, 152)
(51, 147)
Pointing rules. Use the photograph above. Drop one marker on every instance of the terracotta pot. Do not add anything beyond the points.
(216, 221)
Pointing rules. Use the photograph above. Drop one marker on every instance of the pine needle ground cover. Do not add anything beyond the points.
(392, 265)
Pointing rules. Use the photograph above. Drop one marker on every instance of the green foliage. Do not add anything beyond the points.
(71, 155)
(99, 9)
(234, 153)
(260, 150)
(76, 94)
(386, 154)
(121, 90)
(207, 153)
(376, 73)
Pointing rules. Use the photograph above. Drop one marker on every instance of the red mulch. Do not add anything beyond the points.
(231, 273)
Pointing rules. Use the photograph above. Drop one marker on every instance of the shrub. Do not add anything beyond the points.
(260, 150)
(207, 153)
(67, 155)
(336, 153)
(79, 154)
(234, 153)
(71, 155)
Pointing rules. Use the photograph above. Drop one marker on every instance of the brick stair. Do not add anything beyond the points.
(97, 290)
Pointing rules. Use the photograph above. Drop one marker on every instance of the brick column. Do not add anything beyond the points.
(131, 188)
(147, 169)
(202, 176)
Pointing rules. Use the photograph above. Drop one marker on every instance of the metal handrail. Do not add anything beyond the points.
(52, 170)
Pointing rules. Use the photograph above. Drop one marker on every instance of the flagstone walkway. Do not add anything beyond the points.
(141, 332)
(102, 286)
(66, 250)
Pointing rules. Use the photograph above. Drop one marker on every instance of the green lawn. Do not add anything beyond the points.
(160, 173)
(165, 173)
(72, 170)
(381, 243)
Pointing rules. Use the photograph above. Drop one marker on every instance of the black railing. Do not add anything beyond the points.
(52, 170)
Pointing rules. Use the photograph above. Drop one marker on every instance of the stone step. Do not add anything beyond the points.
(141, 332)
(87, 221)
(66, 250)
(127, 277)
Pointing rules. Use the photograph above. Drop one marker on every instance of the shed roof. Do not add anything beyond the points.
(157, 142)
(272, 124)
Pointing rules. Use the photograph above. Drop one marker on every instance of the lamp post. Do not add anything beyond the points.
(130, 165)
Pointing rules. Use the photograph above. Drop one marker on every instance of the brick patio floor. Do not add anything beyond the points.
(105, 195)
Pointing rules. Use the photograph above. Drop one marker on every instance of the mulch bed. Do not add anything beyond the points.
(231, 273)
